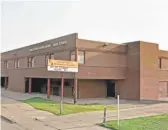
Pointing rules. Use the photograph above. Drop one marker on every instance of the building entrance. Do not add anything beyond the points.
(110, 88)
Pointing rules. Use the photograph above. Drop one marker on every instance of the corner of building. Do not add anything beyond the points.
(149, 71)
(130, 88)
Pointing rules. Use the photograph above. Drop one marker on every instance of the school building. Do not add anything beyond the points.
(135, 70)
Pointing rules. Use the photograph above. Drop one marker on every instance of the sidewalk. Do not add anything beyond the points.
(30, 118)
(88, 119)
(109, 101)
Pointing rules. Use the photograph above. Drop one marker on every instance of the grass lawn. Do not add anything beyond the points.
(53, 107)
(159, 122)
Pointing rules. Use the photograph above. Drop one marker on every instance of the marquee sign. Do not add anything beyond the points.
(48, 46)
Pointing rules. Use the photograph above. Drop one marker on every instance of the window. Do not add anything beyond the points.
(81, 57)
(160, 63)
(49, 56)
(67, 84)
(73, 55)
(16, 63)
(30, 62)
(6, 64)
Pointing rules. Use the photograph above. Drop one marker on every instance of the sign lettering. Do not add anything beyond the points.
(49, 45)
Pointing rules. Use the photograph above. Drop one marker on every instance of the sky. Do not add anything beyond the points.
(117, 21)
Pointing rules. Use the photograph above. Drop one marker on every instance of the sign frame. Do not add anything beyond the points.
(62, 66)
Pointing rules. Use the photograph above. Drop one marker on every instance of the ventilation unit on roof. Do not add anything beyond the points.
(105, 44)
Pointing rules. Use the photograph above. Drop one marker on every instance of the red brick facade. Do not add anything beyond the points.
(136, 68)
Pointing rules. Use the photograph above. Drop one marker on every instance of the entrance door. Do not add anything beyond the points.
(110, 88)
(3, 82)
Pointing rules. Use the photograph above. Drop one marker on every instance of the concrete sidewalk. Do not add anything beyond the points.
(109, 101)
(88, 119)
(29, 118)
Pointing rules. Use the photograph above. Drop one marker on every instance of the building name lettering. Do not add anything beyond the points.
(48, 46)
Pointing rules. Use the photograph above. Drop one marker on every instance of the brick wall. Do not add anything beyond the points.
(163, 89)
(92, 88)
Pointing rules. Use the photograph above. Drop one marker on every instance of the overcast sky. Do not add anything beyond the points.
(117, 21)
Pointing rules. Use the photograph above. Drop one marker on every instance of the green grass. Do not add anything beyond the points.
(53, 107)
(159, 122)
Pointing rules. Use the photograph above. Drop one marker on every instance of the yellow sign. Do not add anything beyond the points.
(62, 65)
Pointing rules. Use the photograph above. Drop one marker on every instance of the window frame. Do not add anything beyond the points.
(16, 63)
(6, 66)
(49, 56)
(30, 62)
(78, 56)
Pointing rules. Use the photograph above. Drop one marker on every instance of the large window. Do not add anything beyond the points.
(81, 57)
(16, 63)
(49, 56)
(6, 64)
(30, 62)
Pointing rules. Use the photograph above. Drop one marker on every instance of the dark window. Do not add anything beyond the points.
(30, 62)
(67, 84)
(160, 63)
(81, 56)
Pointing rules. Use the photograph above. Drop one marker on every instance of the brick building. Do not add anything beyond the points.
(136, 70)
